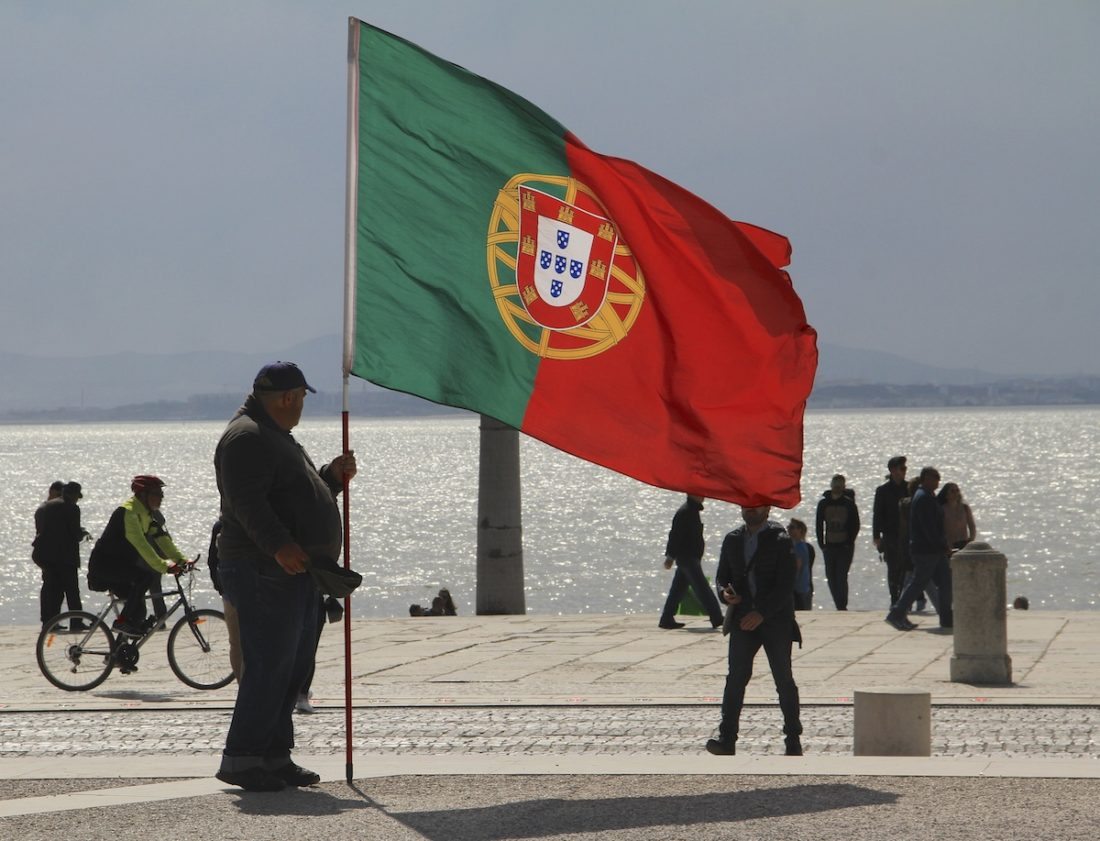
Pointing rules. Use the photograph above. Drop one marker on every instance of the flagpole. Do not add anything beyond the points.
(350, 209)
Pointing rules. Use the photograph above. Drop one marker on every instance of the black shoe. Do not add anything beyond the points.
(722, 747)
(296, 775)
(123, 628)
(77, 627)
(256, 778)
(716, 623)
(794, 746)
(901, 624)
(671, 625)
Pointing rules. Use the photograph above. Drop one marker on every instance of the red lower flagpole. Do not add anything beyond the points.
(349, 768)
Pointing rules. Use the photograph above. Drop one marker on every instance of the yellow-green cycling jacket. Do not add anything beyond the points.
(135, 537)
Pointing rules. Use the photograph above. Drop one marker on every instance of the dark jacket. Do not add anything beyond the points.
(685, 538)
(773, 566)
(57, 534)
(886, 516)
(134, 542)
(837, 519)
(271, 492)
(926, 535)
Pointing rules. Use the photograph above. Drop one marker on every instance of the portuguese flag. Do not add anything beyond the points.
(498, 264)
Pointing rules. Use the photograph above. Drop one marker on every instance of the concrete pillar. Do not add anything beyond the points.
(499, 522)
(981, 631)
(892, 722)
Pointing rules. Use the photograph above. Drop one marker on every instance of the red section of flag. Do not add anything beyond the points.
(706, 393)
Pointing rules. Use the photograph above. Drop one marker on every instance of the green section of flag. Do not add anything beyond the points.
(436, 144)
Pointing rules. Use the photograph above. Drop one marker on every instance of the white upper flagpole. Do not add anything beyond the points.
(350, 210)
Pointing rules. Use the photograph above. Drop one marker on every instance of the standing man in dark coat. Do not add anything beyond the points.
(56, 550)
(278, 514)
(756, 573)
(929, 552)
(685, 548)
(886, 525)
(837, 527)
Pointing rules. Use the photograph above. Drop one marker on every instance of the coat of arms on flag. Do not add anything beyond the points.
(570, 288)
(564, 256)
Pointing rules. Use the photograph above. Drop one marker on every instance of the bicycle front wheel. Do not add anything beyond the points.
(198, 650)
(74, 651)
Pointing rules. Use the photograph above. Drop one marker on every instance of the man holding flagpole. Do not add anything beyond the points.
(279, 517)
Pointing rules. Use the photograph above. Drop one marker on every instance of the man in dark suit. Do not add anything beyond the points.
(756, 573)
(57, 550)
(685, 549)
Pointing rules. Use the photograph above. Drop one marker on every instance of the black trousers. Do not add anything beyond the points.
(133, 590)
(838, 560)
(58, 584)
(895, 569)
(775, 638)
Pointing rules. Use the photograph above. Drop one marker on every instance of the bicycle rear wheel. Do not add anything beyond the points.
(198, 650)
(75, 660)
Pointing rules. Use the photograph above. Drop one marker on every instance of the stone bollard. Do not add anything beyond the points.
(981, 631)
(893, 722)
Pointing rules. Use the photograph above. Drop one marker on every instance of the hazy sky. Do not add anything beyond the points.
(172, 174)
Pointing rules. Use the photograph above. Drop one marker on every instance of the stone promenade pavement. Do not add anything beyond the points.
(523, 698)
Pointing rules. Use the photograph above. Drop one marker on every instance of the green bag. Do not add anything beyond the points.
(689, 604)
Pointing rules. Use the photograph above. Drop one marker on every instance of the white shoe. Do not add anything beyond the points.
(303, 705)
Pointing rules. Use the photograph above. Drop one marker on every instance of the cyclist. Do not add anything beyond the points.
(133, 552)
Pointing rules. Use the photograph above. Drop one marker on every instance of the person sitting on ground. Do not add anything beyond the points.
(1021, 603)
(133, 552)
(448, 603)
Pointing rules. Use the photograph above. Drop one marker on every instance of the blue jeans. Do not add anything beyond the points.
(690, 573)
(277, 615)
(935, 568)
(774, 637)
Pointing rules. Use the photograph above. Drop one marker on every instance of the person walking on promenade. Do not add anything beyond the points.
(756, 573)
(903, 547)
(56, 550)
(837, 527)
(279, 514)
(804, 566)
(958, 519)
(685, 548)
(929, 552)
(886, 525)
(133, 552)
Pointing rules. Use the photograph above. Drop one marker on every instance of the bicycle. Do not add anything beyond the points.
(77, 650)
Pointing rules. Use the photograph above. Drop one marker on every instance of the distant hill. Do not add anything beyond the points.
(204, 383)
(837, 364)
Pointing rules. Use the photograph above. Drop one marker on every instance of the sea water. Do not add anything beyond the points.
(593, 539)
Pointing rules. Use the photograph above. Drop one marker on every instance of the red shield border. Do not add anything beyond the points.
(534, 204)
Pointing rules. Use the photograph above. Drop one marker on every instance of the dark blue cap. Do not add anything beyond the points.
(281, 376)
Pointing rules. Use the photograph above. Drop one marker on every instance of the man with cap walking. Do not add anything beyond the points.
(886, 525)
(279, 514)
(56, 550)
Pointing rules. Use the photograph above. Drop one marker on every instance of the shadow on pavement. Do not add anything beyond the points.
(552, 817)
(301, 802)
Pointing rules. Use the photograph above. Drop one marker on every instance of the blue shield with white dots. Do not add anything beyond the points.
(576, 269)
(556, 288)
(545, 259)
(563, 239)
(559, 264)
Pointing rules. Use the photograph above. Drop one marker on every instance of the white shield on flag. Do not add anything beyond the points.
(564, 260)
